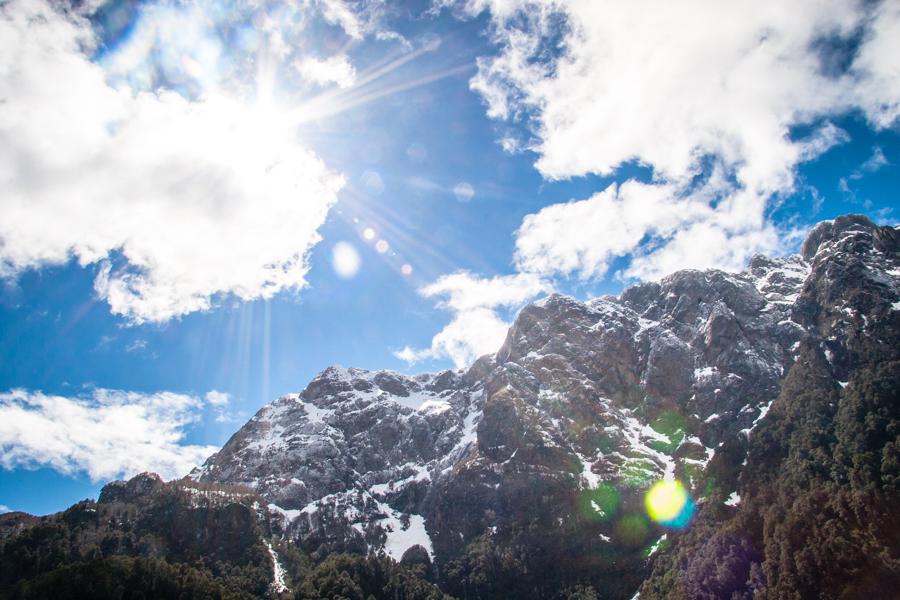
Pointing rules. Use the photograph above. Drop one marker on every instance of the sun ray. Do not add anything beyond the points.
(328, 105)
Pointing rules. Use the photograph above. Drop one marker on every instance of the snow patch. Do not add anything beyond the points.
(400, 539)
(656, 545)
(704, 373)
(590, 478)
(287, 516)
(762, 413)
(434, 407)
(277, 571)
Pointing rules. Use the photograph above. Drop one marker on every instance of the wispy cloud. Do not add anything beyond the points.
(111, 433)
(220, 403)
(872, 164)
(136, 345)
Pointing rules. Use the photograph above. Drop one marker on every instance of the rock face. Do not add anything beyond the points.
(553, 441)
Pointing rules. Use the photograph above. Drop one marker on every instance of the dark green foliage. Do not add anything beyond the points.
(172, 531)
(725, 567)
(353, 577)
(538, 560)
(123, 578)
(819, 516)
(868, 447)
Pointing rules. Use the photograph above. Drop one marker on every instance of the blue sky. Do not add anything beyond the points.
(449, 133)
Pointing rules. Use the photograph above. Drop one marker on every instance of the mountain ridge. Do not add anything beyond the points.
(546, 450)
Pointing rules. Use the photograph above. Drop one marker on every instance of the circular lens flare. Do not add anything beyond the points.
(668, 503)
(464, 191)
(345, 260)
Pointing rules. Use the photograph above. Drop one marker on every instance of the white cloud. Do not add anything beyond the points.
(339, 13)
(112, 433)
(670, 85)
(136, 345)
(662, 229)
(178, 200)
(217, 398)
(878, 66)
(475, 329)
(584, 236)
(4, 509)
(705, 94)
(335, 69)
(871, 164)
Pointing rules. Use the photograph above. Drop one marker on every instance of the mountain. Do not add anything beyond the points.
(771, 395)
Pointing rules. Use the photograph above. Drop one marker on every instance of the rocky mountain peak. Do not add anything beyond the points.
(665, 381)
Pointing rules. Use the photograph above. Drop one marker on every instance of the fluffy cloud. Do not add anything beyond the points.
(475, 329)
(217, 398)
(671, 85)
(110, 434)
(662, 229)
(339, 13)
(878, 66)
(707, 95)
(178, 200)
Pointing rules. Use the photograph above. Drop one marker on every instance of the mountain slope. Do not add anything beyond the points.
(584, 402)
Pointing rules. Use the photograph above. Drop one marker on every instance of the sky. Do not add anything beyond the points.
(205, 203)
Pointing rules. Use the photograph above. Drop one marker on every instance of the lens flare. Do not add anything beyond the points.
(669, 504)
(631, 530)
(600, 503)
(345, 260)
(464, 191)
(373, 181)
